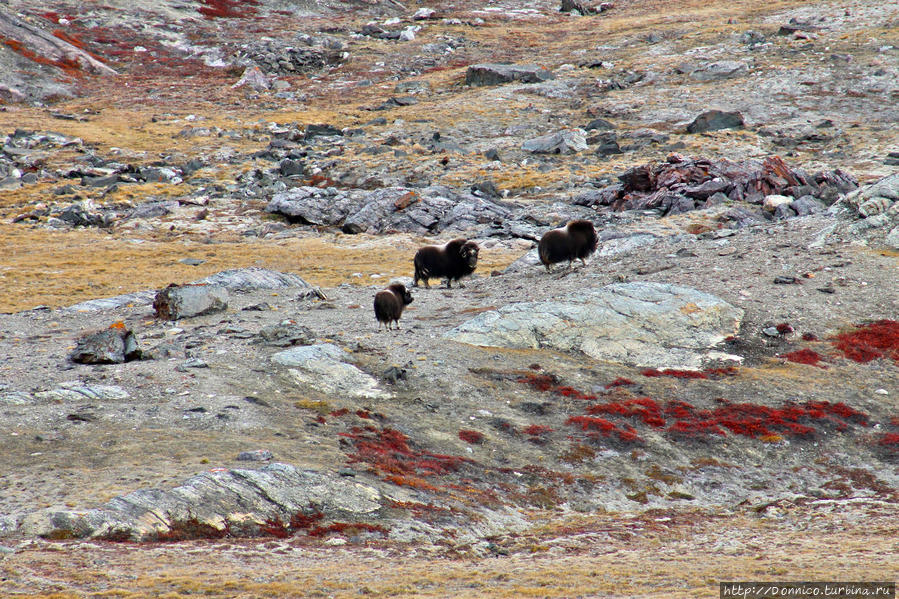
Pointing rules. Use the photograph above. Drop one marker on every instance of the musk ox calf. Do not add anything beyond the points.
(576, 240)
(389, 304)
(452, 261)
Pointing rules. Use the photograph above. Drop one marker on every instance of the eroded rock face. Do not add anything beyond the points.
(429, 210)
(213, 504)
(642, 323)
(324, 366)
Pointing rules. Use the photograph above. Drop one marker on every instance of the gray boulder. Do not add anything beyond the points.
(185, 301)
(716, 71)
(497, 74)
(642, 323)
(114, 345)
(324, 366)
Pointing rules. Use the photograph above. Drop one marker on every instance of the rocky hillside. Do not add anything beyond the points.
(199, 200)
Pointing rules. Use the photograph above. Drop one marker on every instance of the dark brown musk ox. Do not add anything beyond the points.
(576, 240)
(389, 304)
(456, 259)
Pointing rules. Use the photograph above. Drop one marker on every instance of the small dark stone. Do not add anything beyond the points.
(599, 124)
(786, 280)
(257, 455)
(394, 374)
(191, 261)
(320, 130)
(288, 167)
(492, 154)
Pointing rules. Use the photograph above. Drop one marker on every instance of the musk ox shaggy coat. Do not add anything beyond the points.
(576, 240)
(457, 259)
(389, 304)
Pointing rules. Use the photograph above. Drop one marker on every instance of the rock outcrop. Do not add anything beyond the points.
(644, 324)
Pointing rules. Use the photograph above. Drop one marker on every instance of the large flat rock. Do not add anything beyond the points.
(643, 323)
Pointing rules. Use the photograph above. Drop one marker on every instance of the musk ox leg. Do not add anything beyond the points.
(449, 283)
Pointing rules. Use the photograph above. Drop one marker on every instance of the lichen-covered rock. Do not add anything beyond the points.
(642, 323)
(324, 367)
(212, 504)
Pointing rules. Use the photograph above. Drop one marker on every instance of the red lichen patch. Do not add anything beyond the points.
(540, 382)
(755, 421)
(620, 382)
(644, 408)
(340, 412)
(625, 433)
(871, 341)
(363, 414)
(347, 528)
(889, 440)
(805, 356)
(680, 374)
(70, 67)
(470, 436)
(691, 374)
(299, 521)
(227, 9)
(190, 528)
(412, 482)
(550, 382)
(388, 451)
(538, 434)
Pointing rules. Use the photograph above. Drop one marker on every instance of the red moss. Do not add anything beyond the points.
(540, 382)
(681, 374)
(690, 374)
(227, 9)
(470, 436)
(340, 412)
(805, 356)
(604, 427)
(889, 440)
(784, 328)
(536, 430)
(644, 408)
(620, 382)
(69, 66)
(550, 382)
(363, 414)
(388, 451)
(755, 421)
(299, 521)
(871, 341)
(350, 528)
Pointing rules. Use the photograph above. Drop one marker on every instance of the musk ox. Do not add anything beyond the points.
(576, 240)
(452, 261)
(389, 304)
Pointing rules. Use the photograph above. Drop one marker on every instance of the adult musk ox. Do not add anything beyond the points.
(576, 240)
(389, 304)
(452, 261)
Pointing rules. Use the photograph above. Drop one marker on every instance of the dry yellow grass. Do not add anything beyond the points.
(42, 267)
